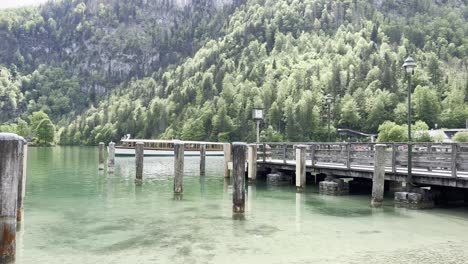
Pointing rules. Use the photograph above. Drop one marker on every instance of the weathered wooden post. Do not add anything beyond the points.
(301, 167)
(22, 183)
(11, 148)
(178, 167)
(139, 154)
(238, 174)
(202, 159)
(252, 162)
(101, 155)
(378, 179)
(454, 160)
(111, 157)
(227, 158)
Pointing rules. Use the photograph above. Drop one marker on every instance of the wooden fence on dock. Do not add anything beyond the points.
(428, 159)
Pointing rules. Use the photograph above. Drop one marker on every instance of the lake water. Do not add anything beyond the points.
(74, 214)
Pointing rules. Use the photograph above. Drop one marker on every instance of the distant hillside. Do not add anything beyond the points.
(102, 43)
(285, 55)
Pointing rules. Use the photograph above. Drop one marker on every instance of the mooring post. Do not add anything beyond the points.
(252, 162)
(202, 159)
(378, 179)
(178, 167)
(227, 158)
(22, 183)
(139, 154)
(11, 148)
(111, 157)
(101, 155)
(301, 167)
(238, 174)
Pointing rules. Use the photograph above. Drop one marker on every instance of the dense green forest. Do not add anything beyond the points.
(214, 64)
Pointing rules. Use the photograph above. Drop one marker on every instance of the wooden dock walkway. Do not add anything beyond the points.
(433, 164)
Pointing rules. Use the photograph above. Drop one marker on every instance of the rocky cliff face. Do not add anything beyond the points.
(105, 42)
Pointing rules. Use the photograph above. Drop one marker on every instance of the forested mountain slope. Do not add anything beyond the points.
(94, 45)
(285, 55)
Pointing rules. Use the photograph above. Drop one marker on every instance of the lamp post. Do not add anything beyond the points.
(409, 66)
(328, 100)
(257, 115)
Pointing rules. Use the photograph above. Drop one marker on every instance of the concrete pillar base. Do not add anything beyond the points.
(334, 187)
(395, 186)
(416, 199)
(276, 178)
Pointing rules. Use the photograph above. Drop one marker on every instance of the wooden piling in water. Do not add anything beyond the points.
(238, 174)
(252, 162)
(101, 155)
(22, 183)
(111, 157)
(139, 154)
(202, 159)
(301, 167)
(11, 148)
(178, 167)
(378, 179)
(227, 158)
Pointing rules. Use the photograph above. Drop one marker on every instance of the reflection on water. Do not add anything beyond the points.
(75, 214)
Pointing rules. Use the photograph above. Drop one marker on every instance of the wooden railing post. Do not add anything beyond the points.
(348, 156)
(312, 154)
(429, 151)
(454, 159)
(284, 153)
(394, 153)
(264, 153)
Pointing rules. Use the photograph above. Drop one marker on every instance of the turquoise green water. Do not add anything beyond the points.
(74, 214)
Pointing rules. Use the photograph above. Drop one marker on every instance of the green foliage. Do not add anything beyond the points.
(419, 132)
(45, 132)
(22, 128)
(198, 76)
(36, 119)
(391, 132)
(460, 137)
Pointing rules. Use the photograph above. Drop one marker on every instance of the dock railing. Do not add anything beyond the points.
(437, 158)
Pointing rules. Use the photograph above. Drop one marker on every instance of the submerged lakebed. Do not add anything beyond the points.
(76, 214)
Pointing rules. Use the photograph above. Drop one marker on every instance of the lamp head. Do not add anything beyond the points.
(409, 65)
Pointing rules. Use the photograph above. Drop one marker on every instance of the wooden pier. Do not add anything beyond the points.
(433, 164)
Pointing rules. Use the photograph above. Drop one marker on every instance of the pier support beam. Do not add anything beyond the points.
(418, 198)
(227, 158)
(22, 184)
(252, 162)
(301, 167)
(378, 179)
(333, 186)
(139, 154)
(11, 148)
(111, 157)
(202, 159)
(178, 167)
(101, 155)
(238, 174)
